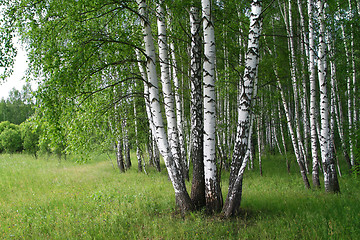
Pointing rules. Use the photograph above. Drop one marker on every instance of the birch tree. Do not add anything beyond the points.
(238, 164)
(212, 188)
(312, 69)
(350, 82)
(289, 29)
(179, 113)
(166, 89)
(327, 157)
(196, 131)
(182, 197)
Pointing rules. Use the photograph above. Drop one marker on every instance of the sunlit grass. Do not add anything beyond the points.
(47, 199)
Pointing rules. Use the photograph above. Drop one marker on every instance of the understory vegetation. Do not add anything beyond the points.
(44, 198)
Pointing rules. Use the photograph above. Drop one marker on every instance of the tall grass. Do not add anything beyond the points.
(46, 199)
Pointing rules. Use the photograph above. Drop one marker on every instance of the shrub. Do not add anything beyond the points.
(11, 140)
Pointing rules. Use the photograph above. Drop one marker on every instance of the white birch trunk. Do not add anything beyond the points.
(353, 74)
(349, 94)
(293, 138)
(239, 160)
(304, 49)
(336, 104)
(295, 87)
(283, 139)
(119, 156)
(290, 127)
(179, 114)
(182, 198)
(126, 142)
(212, 188)
(166, 89)
(153, 156)
(138, 153)
(252, 117)
(312, 69)
(330, 177)
(259, 143)
(333, 107)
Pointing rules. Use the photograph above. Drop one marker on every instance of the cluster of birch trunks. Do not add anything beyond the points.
(312, 115)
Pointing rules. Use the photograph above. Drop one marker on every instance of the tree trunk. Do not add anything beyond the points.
(300, 145)
(293, 139)
(283, 140)
(197, 128)
(152, 149)
(126, 142)
(304, 49)
(327, 154)
(166, 89)
(212, 188)
(290, 127)
(349, 95)
(336, 105)
(138, 153)
(179, 114)
(353, 74)
(312, 69)
(259, 143)
(119, 156)
(182, 198)
(239, 161)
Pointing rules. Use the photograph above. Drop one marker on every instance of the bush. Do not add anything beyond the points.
(11, 140)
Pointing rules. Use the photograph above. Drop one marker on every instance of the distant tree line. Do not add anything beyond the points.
(18, 106)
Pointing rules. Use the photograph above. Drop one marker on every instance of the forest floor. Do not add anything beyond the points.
(44, 199)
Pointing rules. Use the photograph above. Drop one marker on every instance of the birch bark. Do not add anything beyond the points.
(293, 138)
(304, 49)
(239, 161)
(283, 139)
(126, 142)
(182, 198)
(349, 94)
(138, 154)
(290, 127)
(289, 27)
(196, 143)
(327, 157)
(166, 89)
(312, 69)
(212, 188)
(259, 143)
(119, 156)
(354, 113)
(336, 104)
(179, 113)
(152, 149)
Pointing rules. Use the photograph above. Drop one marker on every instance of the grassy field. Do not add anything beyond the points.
(45, 199)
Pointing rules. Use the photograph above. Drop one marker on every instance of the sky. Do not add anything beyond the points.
(16, 79)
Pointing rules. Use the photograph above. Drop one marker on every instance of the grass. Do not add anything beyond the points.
(46, 199)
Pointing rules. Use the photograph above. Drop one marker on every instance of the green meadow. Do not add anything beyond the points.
(47, 199)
